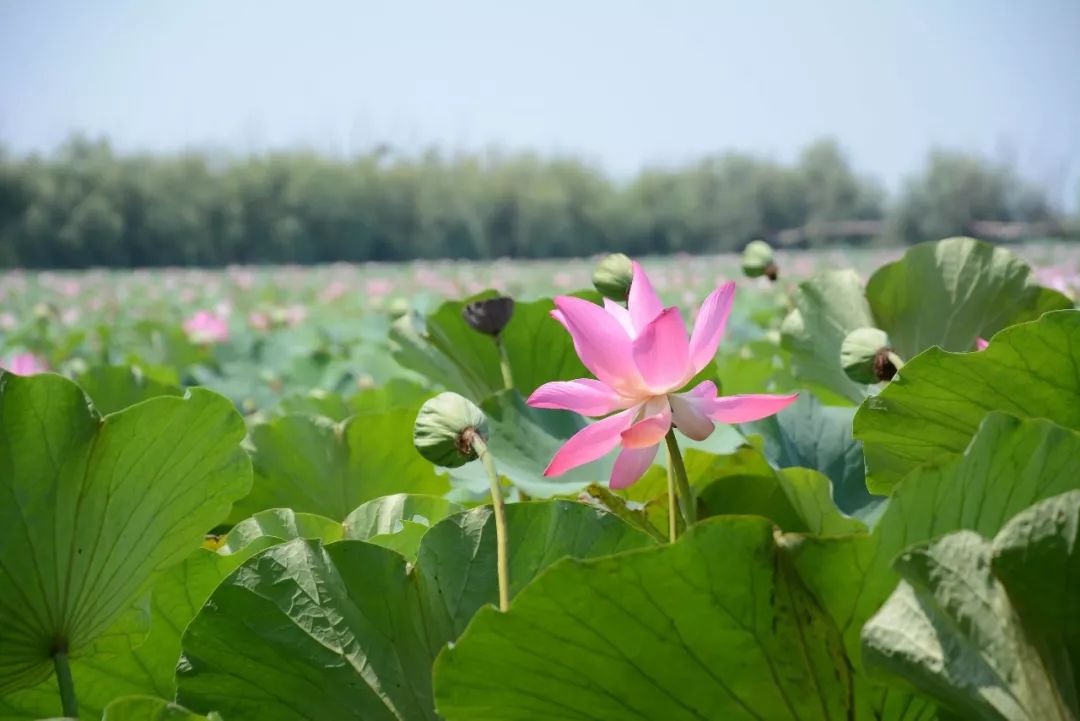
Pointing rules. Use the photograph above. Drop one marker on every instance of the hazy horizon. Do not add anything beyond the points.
(623, 85)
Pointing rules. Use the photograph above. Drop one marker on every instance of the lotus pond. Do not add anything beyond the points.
(790, 486)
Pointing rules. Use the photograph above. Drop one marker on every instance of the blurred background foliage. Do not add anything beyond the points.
(87, 205)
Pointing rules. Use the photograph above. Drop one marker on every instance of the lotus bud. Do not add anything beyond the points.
(867, 356)
(757, 260)
(612, 277)
(489, 316)
(445, 429)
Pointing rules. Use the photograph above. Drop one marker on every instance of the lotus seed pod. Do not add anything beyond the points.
(867, 356)
(445, 428)
(398, 307)
(757, 260)
(489, 316)
(612, 277)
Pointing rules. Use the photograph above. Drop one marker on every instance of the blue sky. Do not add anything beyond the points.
(622, 83)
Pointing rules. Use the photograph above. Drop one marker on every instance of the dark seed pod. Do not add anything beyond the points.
(445, 429)
(489, 316)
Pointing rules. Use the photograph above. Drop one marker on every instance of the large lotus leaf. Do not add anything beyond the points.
(715, 626)
(1032, 555)
(78, 492)
(932, 409)
(113, 388)
(396, 393)
(539, 348)
(457, 557)
(1010, 464)
(149, 708)
(412, 348)
(398, 522)
(758, 366)
(281, 523)
(303, 631)
(445, 349)
(523, 441)
(827, 307)
(953, 630)
(744, 482)
(809, 435)
(950, 292)
(176, 595)
(313, 465)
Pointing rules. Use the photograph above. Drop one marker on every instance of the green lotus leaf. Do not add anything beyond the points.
(280, 523)
(954, 629)
(398, 522)
(810, 435)
(1010, 463)
(395, 393)
(92, 507)
(933, 408)
(714, 626)
(446, 350)
(945, 293)
(345, 630)
(950, 292)
(744, 482)
(149, 708)
(827, 307)
(113, 388)
(176, 595)
(312, 465)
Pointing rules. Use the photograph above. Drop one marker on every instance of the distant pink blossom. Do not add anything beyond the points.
(378, 287)
(981, 343)
(332, 292)
(259, 320)
(294, 315)
(25, 364)
(207, 327)
(641, 355)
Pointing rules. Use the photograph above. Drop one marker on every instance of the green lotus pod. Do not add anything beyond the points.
(398, 307)
(757, 260)
(489, 316)
(867, 356)
(445, 428)
(612, 277)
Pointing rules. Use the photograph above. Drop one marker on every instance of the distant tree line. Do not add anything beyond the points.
(87, 205)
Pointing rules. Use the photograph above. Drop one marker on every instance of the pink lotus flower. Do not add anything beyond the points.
(25, 364)
(207, 327)
(981, 343)
(641, 355)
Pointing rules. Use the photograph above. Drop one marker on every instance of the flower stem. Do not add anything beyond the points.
(686, 499)
(673, 503)
(68, 701)
(503, 556)
(504, 363)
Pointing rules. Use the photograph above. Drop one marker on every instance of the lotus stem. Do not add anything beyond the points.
(673, 503)
(504, 363)
(68, 701)
(686, 498)
(499, 506)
